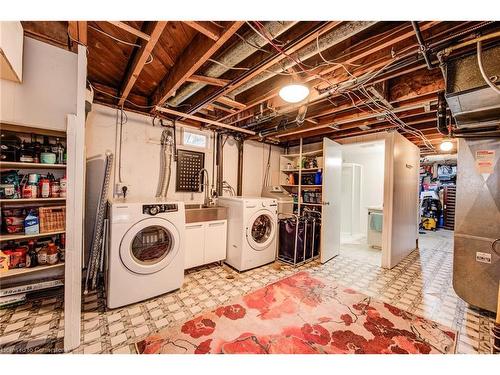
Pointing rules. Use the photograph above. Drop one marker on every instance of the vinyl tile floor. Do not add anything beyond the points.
(421, 284)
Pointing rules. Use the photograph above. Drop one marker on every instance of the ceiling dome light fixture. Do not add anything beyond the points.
(446, 145)
(294, 93)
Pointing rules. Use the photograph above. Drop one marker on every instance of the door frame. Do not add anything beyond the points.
(75, 209)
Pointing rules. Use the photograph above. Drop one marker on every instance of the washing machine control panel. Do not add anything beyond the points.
(154, 209)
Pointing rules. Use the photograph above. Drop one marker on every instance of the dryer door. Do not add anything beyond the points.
(149, 245)
(261, 229)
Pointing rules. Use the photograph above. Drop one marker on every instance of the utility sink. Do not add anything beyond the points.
(199, 212)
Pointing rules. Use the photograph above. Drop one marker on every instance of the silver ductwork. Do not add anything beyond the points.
(471, 100)
(231, 58)
(337, 35)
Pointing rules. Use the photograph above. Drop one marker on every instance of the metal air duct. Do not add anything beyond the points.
(231, 58)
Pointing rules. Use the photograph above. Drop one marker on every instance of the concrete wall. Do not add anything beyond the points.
(48, 90)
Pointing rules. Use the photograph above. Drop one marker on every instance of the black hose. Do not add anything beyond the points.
(441, 115)
(421, 43)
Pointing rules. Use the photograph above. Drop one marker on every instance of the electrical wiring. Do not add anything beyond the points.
(113, 37)
(117, 97)
(257, 48)
(119, 40)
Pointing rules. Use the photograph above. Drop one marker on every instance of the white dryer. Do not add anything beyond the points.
(145, 251)
(252, 226)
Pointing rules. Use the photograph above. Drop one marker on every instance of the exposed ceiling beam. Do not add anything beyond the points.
(230, 102)
(206, 28)
(266, 64)
(131, 30)
(193, 57)
(203, 120)
(77, 31)
(208, 80)
(139, 59)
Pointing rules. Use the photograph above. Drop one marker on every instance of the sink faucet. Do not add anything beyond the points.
(207, 201)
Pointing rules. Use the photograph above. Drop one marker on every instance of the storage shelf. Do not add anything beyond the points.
(21, 165)
(32, 200)
(22, 236)
(23, 271)
(303, 186)
(306, 170)
(317, 152)
(311, 204)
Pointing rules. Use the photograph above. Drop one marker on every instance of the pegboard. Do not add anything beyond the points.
(189, 164)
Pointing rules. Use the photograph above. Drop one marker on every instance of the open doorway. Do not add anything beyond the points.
(362, 201)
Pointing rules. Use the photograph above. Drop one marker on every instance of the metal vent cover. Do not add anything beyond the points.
(471, 101)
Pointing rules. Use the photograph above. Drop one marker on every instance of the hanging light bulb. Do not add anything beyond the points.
(294, 93)
(446, 145)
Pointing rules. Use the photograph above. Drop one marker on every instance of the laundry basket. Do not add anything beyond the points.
(52, 219)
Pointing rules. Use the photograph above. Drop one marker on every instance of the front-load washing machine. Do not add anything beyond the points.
(145, 251)
(251, 235)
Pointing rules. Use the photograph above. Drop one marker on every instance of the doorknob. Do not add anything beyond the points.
(325, 203)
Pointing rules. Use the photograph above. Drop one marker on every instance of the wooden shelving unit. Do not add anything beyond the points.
(31, 200)
(22, 131)
(24, 271)
(21, 165)
(22, 236)
(292, 163)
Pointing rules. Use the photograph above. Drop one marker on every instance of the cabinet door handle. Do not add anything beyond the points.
(194, 226)
(215, 224)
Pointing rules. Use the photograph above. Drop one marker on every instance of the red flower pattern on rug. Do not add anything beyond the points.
(302, 314)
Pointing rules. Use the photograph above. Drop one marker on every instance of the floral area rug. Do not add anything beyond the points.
(304, 315)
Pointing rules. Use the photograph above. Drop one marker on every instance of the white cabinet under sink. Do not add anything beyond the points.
(205, 243)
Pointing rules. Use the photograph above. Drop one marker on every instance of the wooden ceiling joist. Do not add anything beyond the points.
(78, 31)
(230, 102)
(131, 30)
(193, 57)
(204, 120)
(207, 28)
(208, 80)
(139, 59)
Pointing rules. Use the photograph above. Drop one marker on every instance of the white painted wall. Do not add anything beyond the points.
(371, 156)
(255, 156)
(48, 90)
(141, 160)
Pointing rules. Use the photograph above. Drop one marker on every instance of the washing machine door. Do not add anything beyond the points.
(149, 245)
(261, 229)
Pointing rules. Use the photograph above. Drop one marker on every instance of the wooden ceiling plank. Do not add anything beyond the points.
(131, 30)
(208, 80)
(193, 57)
(204, 120)
(139, 60)
(206, 28)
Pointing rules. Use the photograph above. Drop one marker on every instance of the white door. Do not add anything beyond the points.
(194, 251)
(332, 191)
(400, 228)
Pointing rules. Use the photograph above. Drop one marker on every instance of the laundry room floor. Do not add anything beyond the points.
(420, 284)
